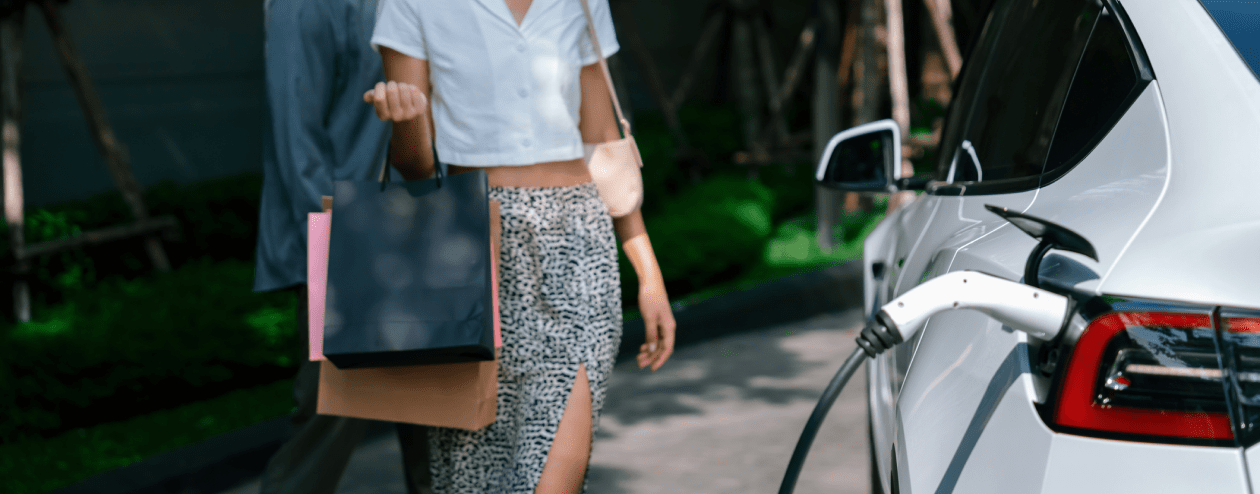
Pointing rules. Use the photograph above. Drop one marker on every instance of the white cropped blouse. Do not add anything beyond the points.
(502, 94)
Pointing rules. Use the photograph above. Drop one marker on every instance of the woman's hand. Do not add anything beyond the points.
(397, 101)
(658, 322)
(658, 317)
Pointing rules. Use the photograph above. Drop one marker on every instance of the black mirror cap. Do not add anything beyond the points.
(866, 158)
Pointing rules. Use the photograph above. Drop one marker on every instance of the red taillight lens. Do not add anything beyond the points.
(1146, 373)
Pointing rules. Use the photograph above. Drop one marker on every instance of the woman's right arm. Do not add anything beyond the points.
(404, 100)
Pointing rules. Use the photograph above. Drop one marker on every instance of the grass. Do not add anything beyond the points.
(40, 465)
(792, 249)
(123, 348)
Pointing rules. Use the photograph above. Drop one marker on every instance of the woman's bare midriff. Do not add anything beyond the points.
(550, 174)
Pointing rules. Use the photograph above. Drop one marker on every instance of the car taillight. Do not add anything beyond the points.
(1151, 373)
(1240, 352)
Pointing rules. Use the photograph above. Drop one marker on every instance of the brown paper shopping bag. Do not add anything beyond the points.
(462, 395)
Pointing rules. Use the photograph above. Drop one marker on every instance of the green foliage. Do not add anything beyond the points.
(795, 243)
(70, 270)
(124, 347)
(793, 249)
(41, 465)
(793, 188)
(218, 220)
(714, 131)
(706, 234)
(925, 111)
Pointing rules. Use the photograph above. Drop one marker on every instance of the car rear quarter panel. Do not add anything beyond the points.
(1201, 242)
(1111, 192)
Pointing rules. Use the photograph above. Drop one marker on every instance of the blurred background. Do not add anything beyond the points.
(132, 183)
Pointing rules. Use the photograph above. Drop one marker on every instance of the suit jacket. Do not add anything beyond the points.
(317, 128)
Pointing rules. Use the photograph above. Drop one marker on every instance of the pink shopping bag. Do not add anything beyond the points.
(317, 227)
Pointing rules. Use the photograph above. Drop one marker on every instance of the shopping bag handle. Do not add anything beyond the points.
(437, 167)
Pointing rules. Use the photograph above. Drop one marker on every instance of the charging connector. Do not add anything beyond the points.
(1038, 312)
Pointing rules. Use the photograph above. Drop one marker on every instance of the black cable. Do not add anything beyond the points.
(815, 420)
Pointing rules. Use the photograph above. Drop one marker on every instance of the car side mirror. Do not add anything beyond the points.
(866, 158)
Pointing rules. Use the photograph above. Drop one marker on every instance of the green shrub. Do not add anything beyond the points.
(218, 220)
(714, 131)
(793, 188)
(42, 465)
(126, 347)
(706, 234)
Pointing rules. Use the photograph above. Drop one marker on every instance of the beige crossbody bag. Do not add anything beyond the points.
(614, 165)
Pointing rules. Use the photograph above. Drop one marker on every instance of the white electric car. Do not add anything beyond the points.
(1125, 137)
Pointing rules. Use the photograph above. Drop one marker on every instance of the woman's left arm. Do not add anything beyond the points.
(599, 124)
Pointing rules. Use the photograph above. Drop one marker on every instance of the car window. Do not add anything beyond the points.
(967, 85)
(999, 131)
(1239, 19)
(1106, 83)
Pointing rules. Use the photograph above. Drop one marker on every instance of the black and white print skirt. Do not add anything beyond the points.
(560, 307)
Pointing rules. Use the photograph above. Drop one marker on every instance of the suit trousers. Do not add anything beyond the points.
(314, 458)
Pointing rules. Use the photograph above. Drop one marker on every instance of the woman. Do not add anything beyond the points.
(516, 89)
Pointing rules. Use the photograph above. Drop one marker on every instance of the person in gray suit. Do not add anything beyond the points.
(317, 130)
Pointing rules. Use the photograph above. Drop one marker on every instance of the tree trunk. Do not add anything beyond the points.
(826, 115)
(899, 87)
(746, 79)
(11, 108)
(898, 84)
(940, 12)
(866, 89)
(114, 151)
(712, 28)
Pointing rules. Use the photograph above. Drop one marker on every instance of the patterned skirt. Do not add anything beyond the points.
(560, 307)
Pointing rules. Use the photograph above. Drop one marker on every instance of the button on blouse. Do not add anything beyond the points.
(502, 94)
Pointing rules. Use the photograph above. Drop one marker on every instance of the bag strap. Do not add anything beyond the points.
(599, 53)
(383, 178)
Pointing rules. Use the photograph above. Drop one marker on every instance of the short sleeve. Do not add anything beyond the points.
(604, 28)
(398, 27)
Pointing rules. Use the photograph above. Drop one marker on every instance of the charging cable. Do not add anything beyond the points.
(1032, 310)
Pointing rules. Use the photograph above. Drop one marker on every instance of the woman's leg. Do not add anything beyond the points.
(570, 452)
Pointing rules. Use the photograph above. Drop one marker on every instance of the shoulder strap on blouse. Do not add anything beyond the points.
(599, 53)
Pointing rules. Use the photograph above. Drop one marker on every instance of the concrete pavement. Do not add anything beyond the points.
(721, 417)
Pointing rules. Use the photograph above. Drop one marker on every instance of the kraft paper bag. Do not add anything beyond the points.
(460, 395)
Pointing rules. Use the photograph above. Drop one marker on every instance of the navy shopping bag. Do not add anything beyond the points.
(409, 280)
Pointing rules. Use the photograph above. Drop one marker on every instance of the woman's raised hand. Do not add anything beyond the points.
(397, 101)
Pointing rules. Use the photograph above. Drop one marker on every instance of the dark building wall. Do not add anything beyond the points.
(181, 81)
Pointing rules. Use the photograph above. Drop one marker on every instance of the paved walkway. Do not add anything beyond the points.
(721, 417)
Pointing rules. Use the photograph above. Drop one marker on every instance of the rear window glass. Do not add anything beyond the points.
(1240, 20)
(1005, 115)
(1103, 88)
